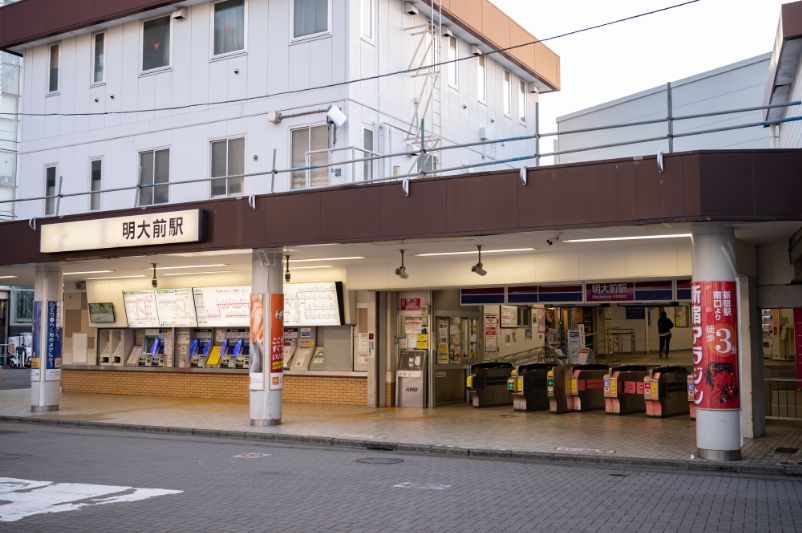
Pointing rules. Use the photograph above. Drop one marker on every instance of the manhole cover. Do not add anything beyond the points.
(380, 461)
(786, 450)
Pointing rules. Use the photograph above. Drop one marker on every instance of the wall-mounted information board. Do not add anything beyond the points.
(140, 308)
(223, 307)
(313, 304)
(176, 308)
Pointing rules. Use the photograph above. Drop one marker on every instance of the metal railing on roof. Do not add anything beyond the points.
(422, 153)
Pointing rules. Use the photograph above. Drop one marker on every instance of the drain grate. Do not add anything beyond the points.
(786, 450)
(380, 461)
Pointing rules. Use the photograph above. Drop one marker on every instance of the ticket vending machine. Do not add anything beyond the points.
(234, 338)
(410, 379)
(242, 354)
(290, 345)
(529, 387)
(303, 356)
(152, 352)
(665, 392)
(216, 355)
(199, 351)
(623, 390)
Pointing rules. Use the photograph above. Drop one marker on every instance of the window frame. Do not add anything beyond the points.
(58, 75)
(212, 56)
(308, 173)
(371, 164)
(226, 177)
(311, 36)
(156, 70)
(55, 188)
(506, 106)
(367, 38)
(453, 67)
(99, 195)
(482, 97)
(169, 174)
(522, 102)
(92, 81)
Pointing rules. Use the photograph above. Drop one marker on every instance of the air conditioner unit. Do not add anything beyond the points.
(410, 9)
(80, 285)
(274, 117)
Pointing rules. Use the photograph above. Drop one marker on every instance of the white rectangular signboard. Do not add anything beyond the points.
(176, 308)
(139, 230)
(140, 308)
(223, 307)
(311, 304)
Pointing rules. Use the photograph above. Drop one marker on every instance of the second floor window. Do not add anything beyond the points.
(453, 76)
(154, 168)
(50, 190)
(229, 27)
(99, 58)
(305, 140)
(309, 18)
(53, 72)
(95, 179)
(228, 159)
(522, 101)
(156, 43)
(367, 19)
(482, 79)
(506, 93)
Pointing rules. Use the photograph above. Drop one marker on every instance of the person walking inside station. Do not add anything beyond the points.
(664, 327)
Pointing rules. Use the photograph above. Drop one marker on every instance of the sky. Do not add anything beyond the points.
(612, 62)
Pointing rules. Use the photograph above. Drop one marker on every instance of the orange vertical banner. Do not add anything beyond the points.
(276, 341)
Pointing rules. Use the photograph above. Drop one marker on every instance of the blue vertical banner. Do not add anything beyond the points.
(55, 331)
(37, 341)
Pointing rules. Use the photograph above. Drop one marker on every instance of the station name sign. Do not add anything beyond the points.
(146, 229)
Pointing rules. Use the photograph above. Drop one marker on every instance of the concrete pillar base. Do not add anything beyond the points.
(43, 408)
(719, 455)
(276, 422)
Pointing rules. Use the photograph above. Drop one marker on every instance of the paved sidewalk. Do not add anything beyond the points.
(458, 426)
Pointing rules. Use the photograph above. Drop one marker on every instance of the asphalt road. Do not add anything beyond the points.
(70, 479)
(15, 378)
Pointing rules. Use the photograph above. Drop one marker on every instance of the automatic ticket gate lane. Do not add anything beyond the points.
(587, 387)
(623, 390)
(410, 379)
(487, 384)
(529, 387)
(559, 389)
(666, 392)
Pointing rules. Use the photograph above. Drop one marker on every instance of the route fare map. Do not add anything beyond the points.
(223, 307)
(311, 304)
(140, 308)
(176, 308)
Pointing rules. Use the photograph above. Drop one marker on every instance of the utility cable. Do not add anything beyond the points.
(346, 83)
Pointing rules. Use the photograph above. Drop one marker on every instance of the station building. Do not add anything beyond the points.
(147, 287)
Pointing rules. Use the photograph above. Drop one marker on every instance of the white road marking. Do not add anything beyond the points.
(28, 498)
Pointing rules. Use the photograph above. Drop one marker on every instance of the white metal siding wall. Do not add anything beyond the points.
(791, 132)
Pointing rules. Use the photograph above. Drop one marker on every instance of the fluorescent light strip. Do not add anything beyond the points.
(324, 259)
(606, 239)
(118, 277)
(187, 266)
(7, 277)
(196, 273)
(317, 266)
(90, 272)
(476, 252)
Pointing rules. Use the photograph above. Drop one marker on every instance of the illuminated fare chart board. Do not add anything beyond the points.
(311, 304)
(176, 308)
(140, 308)
(223, 307)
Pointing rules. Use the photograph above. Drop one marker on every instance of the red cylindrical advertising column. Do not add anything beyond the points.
(715, 330)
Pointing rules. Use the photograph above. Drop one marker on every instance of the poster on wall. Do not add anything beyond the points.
(54, 329)
(363, 348)
(276, 341)
(313, 304)
(491, 333)
(222, 307)
(37, 341)
(509, 316)
(176, 308)
(256, 374)
(681, 316)
(140, 308)
(541, 320)
(714, 319)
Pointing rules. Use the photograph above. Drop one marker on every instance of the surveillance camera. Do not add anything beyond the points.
(477, 269)
(401, 272)
(154, 283)
(337, 116)
(287, 277)
(551, 241)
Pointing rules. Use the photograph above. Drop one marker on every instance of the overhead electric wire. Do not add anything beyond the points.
(346, 83)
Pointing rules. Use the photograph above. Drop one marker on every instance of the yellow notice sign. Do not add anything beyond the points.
(442, 354)
(613, 384)
(423, 342)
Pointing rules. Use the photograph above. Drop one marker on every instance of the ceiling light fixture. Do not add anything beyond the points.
(287, 275)
(486, 251)
(401, 271)
(198, 273)
(316, 266)
(118, 277)
(477, 268)
(606, 239)
(325, 259)
(90, 272)
(7, 277)
(190, 266)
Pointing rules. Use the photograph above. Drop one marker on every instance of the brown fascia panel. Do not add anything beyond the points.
(789, 28)
(494, 28)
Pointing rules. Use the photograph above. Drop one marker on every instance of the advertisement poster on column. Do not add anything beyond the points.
(55, 330)
(257, 373)
(714, 317)
(276, 341)
(37, 341)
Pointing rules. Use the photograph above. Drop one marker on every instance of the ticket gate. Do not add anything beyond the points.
(691, 395)
(587, 387)
(665, 392)
(199, 352)
(410, 379)
(487, 384)
(623, 390)
(529, 387)
(559, 389)
(152, 353)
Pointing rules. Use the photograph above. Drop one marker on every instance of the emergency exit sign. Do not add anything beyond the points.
(410, 304)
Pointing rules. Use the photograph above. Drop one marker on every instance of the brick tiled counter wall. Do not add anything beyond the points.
(390, 391)
(297, 389)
